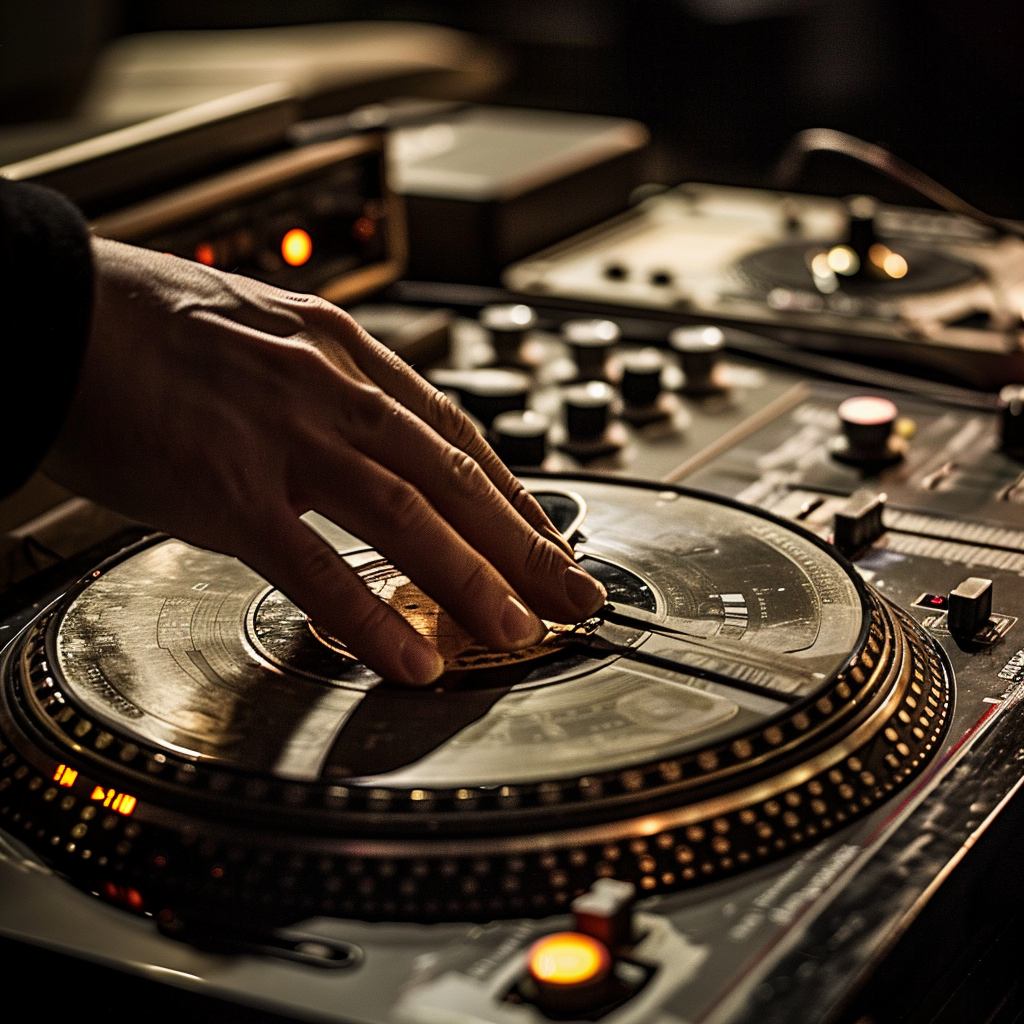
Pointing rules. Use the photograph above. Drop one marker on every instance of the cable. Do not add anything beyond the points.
(813, 140)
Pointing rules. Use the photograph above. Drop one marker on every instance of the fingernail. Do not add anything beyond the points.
(421, 661)
(519, 626)
(585, 593)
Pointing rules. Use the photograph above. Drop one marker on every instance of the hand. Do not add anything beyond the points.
(220, 409)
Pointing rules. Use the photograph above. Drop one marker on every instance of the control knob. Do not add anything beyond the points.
(640, 386)
(508, 325)
(1011, 420)
(591, 342)
(867, 440)
(487, 392)
(520, 437)
(589, 430)
(700, 349)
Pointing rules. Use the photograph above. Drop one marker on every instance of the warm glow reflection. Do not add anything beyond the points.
(892, 264)
(895, 265)
(820, 267)
(843, 260)
(296, 247)
(568, 958)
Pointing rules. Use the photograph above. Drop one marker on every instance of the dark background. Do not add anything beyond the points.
(722, 83)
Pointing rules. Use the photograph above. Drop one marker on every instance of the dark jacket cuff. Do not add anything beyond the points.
(46, 295)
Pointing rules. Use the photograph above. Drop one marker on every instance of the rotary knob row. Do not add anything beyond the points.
(592, 343)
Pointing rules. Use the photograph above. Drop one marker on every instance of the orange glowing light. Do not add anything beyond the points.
(205, 254)
(568, 958)
(296, 247)
(120, 802)
(64, 775)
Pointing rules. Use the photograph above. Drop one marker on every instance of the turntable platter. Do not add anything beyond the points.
(744, 693)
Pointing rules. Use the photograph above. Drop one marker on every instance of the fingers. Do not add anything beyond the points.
(393, 376)
(462, 504)
(306, 569)
(393, 516)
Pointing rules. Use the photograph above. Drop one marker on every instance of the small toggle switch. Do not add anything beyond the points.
(970, 606)
(605, 911)
(859, 522)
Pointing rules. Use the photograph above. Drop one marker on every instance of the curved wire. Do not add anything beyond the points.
(813, 140)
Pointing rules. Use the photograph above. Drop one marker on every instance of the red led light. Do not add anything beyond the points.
(364, 229)
(296, 247)
(204, 253)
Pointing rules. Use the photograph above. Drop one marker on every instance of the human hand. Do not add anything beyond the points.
(220, 409)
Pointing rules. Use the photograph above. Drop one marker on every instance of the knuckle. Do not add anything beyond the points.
(465, 472)
(365, 408)
(542, 559)
(402, 504)
(318, 565)
(451, 422)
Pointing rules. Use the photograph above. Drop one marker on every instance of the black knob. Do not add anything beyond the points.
(508, 325)
(867, 440)
(969, 607)
(591, 342)
(641, 378)
(1011, 420)
(700, 349)
(485, 393)
(520, 438)
(587, 410)
(860, 235)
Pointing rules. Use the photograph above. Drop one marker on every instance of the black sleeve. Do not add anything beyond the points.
(45, 308)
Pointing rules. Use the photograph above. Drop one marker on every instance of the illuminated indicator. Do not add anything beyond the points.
(64, 775)
(120, 802)
(125, 895)
(296, 247)
(364, 229)
(205, 254)
(568, 958)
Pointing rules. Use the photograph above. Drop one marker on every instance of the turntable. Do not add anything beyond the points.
(179, 731)
(869, 280)
(745, 725)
